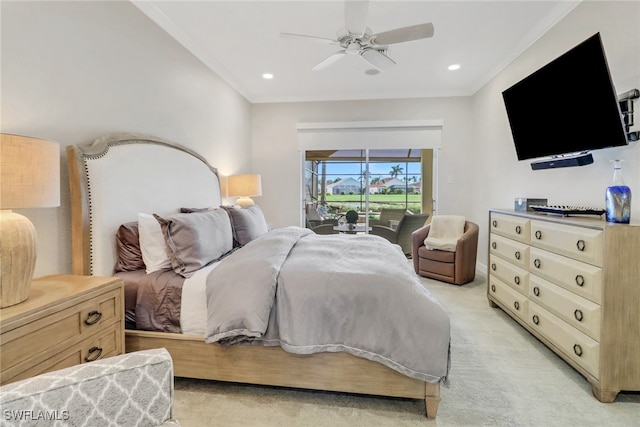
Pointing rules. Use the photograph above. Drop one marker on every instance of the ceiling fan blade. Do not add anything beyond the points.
(330, 60)
(377, 59)
(405, 34)
(321, 40)
(355, 14)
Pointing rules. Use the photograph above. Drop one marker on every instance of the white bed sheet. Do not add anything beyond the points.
(193, 309)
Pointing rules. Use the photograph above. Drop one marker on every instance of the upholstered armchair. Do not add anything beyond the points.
(133, 389)
(401, 235)
(457, 267)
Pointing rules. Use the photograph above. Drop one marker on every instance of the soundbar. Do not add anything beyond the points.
(563, 162)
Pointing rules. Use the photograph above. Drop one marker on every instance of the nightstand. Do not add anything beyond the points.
(67, 320)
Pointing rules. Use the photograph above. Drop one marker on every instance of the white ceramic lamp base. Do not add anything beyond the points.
(17, 257)
(245, 202)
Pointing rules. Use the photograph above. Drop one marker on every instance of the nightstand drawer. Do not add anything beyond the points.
(104, 344)
(65, 327)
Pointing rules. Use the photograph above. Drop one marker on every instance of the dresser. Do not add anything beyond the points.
(574, 283)
(67, 320)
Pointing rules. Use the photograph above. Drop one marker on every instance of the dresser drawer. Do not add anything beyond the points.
(575, 276)
(514, 227)
(512, 275)
(105, 343)
(574, 344)
(513, 300)
(583, 244)
(579, 312)
(515, 252)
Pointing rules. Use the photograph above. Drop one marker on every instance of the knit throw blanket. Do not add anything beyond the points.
(444, 232)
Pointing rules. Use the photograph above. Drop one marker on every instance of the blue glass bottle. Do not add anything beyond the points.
(618, 198)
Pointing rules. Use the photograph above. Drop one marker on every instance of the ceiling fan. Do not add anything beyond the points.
(357, 39)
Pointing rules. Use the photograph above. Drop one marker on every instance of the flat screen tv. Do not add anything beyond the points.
(569, 106)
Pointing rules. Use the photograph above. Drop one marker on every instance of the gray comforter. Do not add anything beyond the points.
(311, 293)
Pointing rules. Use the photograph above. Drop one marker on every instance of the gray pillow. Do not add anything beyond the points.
(196, 239)
(248, 223)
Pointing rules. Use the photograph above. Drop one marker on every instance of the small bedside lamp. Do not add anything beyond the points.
(29, 178)
(244, 186)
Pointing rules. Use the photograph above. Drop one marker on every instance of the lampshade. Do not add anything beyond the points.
(29, 178)
(244, 186)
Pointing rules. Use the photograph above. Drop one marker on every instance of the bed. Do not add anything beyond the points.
(118, 177)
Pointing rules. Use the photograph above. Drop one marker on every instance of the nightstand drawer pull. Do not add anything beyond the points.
(536, 291)
(516, 280)
(578, 315)
(93, 354)
(537, 263)
(536, 319)
(494, 245)
(493, 288)
(577, 350)
(494, 223)
(494, 266)
(93, 317)
(581, 245)
(517, 255)
(580, 280)
(516, 305)
(538, 234)
(518, 229)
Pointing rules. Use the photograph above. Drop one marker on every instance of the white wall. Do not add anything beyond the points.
(276, 155)
(500, 177)
(73, 71)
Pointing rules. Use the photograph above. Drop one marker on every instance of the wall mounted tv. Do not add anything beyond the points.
(568, 107)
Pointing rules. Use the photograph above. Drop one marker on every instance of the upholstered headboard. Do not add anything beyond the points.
(118, 176)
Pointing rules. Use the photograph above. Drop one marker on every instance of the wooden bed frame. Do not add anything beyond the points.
(140, 182)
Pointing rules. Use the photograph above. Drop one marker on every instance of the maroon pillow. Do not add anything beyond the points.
(128, 247)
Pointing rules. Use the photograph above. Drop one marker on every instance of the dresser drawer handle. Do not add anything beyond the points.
(581, 245)
(93, 317)
(516, 280)
(536, 291)
(580, 280)
(93, 354)
(535, 319)
(517, 255)
(538, 234)
(537, 263)
(494, 223)
(494, 245)
(494, 266)
(578, 315)
(516, 304)
(493, 288)
(518, 229)
(577, 350)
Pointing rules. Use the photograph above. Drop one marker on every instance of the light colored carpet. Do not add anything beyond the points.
(500, 376)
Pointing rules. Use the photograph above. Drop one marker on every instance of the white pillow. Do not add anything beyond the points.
(152, 244)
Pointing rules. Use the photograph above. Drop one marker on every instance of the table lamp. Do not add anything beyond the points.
(29, 178)
(244, 186)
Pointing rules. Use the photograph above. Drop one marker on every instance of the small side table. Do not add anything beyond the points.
(347, 229)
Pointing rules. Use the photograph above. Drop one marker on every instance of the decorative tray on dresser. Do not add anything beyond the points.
(574, 283)
(67, 320)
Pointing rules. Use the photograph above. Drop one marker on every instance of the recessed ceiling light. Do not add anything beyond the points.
(453, 67)
(267, 76)
(372, 72)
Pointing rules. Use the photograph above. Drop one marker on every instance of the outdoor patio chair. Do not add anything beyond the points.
(401, 235)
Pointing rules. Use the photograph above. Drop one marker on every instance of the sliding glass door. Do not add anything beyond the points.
(367, 181)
